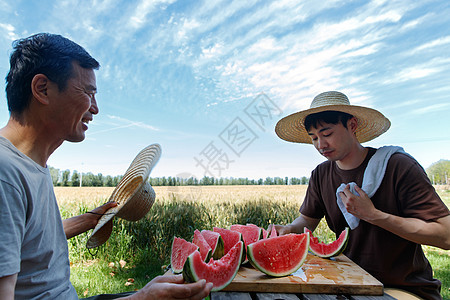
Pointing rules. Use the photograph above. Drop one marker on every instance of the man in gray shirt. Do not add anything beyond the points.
(50, 90)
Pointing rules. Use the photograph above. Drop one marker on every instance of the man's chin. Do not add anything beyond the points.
(76, 139)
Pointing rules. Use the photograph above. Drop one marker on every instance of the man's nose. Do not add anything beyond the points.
(94, 107)
(321, 143)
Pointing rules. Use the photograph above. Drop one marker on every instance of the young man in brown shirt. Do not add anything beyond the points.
(402, 212)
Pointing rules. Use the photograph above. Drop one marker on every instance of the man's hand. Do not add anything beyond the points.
(360, 206)
(82, 223)
(434, 233)
(172, 287)
(95, 214)
(297, 226)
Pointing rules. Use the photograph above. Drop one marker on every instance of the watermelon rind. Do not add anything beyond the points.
(329, 250)
(218, 246)
(181, 249)
(224, 269)
(285, 254)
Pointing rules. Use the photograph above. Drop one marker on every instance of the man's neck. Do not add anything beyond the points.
(29, 140)
(354, 158)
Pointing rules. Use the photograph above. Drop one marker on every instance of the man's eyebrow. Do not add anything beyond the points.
(321, 130)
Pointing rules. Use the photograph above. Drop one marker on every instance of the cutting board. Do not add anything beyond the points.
(339, 275)
(317, 275)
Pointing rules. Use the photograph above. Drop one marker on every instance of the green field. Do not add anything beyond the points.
(138, 251)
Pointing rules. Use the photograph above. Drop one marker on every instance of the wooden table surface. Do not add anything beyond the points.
(339, 275)
(318, 278)
(284, 296)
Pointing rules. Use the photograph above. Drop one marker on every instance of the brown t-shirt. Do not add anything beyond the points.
(406, 192)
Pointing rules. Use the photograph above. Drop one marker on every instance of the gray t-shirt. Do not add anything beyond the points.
(32, 240)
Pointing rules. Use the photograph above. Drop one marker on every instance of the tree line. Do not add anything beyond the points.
(438, 173)
(67, 178)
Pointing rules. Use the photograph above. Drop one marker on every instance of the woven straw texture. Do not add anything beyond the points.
(371, 123)
(134, 195)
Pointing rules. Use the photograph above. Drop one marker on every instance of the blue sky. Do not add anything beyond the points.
(190, 75)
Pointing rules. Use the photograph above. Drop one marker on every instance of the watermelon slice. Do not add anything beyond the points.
(215, 241)
(250, 234)
(204, 247)
(279, 256)
(181, 249)
(328, 250)
(219, 272)
(273, 232)
(230, 238)
(265, 233)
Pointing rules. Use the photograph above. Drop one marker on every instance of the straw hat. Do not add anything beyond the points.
(371, 123)
(134, 195)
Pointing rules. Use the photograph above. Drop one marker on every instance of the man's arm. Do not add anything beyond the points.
(434, 233)
(82, 223)
(7, 286)
(297, 225)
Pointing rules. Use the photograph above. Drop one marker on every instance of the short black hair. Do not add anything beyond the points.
(42, 53)
(328, 117)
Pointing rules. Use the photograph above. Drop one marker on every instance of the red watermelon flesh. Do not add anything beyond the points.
(219, 272)
(279, 256)
(250, 234)
(328, 250)
(204, 247)
(215, 241)
(273, 232)
(230, 238)
(265, 233)
(181, 249)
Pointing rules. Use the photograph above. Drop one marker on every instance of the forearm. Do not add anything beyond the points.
(434, 233)
(7, 286)
(298, 225)
(79, 224)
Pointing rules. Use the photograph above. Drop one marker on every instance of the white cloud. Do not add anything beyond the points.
(433, 44)
(143, 9)
(9, 31)
(125, 123)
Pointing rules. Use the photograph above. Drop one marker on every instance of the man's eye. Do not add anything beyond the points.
(328, 134)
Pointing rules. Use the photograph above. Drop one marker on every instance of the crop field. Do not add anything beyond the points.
(138, 251)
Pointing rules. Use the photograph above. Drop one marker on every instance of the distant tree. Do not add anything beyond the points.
(75, 179)
(268, 181)
(305, 180)
(54, 174)
(109, 181)
(65, 178)
(439, 172)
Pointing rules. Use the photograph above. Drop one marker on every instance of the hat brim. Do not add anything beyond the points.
(134, 195)
(371, 123)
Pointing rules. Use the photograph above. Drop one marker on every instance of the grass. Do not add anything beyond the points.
(139, 251)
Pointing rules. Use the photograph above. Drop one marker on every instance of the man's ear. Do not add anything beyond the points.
(353, 124)
(39, 87)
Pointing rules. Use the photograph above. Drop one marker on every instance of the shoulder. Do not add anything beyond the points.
(404, 161)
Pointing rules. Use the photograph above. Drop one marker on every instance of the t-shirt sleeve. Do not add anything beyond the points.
(12, 222)
(312, 205)
(417, 196)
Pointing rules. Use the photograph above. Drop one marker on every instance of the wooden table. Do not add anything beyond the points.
(318, 278)
(284, 296)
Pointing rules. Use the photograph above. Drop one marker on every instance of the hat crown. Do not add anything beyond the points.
(329, 98)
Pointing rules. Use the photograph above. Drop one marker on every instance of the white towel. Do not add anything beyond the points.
(373, 175)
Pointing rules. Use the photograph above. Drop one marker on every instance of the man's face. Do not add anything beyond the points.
(74, 107)
(333, 141)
